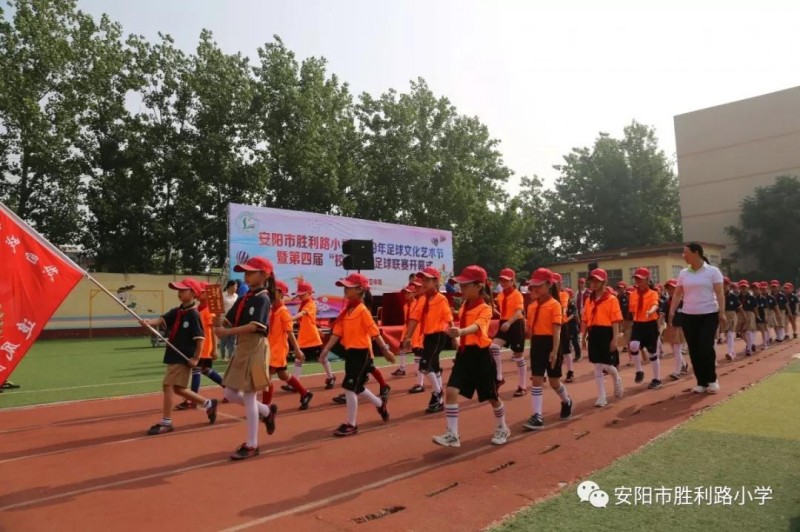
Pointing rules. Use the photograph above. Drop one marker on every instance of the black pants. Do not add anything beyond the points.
(700, 331)
(575, 341)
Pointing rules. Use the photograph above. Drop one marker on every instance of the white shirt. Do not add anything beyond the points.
(699, 296)
(228, 300)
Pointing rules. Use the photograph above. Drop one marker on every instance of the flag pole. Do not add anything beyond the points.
(33, 232)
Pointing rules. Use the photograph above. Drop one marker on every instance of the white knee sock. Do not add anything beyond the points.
(327, 367)
(537, 399)
(730, 337)
(403, 360)
(678, 354)
(570, 363)
(498, 359)
(352, 406)
(251, 418)
(656, 363)
(522, 370)
(298, 369)
(637, 360)
(599, 380)
(371, 397)
(234, 396)
(435, 382)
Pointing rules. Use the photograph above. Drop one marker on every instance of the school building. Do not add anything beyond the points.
(727, 151)
(664, 262)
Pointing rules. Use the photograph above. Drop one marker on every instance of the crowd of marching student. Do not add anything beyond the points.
(559, 326)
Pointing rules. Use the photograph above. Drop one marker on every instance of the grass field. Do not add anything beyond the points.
(750, 441)
(65, 370)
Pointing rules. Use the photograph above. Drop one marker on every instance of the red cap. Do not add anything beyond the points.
(304, 288)
(470, 274)
(622, 284)
(255, 264)
(764, 284)
(659, 287)
(581, 280)
(568, 291)
(508, 274)
(744, 284)
(410, 287)
(430, 272)
(642, 273)
(557, 277)
(540, 277)
(280, 285)
(672, 282)
(354, 280)
(188, 284)
(599, 274)
(790, 286)
(726, 280)
(774, 282)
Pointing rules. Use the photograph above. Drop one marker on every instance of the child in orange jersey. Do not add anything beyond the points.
(599, 332)
(474, 368)
(308, 337)
(409, 299)
(416, 337)
(434, 316)
(545, 319)
(644, 304)
(356, 329)
(280, 338)
(512, 329)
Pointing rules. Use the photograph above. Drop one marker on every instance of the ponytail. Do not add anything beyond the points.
(271, 289)
(555, 292)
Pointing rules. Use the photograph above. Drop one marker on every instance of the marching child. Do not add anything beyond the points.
(308, 338)
(573, 329)
(780, 310)
(644, 305)
(732, 306)
(409, 293)
(281, 336)
(761, 315)
(599, 332)
(512, 330)
(673, 332)
(248, 320)
(474, 368)
(545, 326)
(356, 329)
(434, 316)
(186, 334)
(791, 307)
(750, 308)
(416, 337)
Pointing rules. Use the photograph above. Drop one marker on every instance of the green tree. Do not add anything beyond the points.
(620, 193)
(768, 230)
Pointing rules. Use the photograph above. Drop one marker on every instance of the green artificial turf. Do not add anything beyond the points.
(750, 441)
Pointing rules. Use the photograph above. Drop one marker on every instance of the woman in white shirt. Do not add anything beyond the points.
(700, 289)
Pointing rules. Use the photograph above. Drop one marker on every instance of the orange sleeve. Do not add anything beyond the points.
(369, 324)
(529, 318)
(616, 311)
(285, 319)
(517, 301)
(558, 314)
(338, 328)
(416, 311)
(446, 312)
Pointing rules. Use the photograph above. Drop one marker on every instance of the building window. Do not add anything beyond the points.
(566, 280)
(714, 260)
(676, 271)
(614, 277)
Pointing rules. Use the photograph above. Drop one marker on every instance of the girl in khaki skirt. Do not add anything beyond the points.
(248, 319)
(673, 333)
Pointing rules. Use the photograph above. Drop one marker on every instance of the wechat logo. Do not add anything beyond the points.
(590, 492)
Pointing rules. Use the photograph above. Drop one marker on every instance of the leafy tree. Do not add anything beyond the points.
(621, 192)
(768, 230)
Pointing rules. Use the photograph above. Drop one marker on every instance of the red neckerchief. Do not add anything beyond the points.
(597, 302)
(536, 312)
(177, 323)
(202, 306)
(640, 304)
(506, 292)
(468, 305)
(304, 304)
(351, 305)
(428, 297)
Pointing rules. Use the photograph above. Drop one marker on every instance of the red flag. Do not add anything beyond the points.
(36, 278)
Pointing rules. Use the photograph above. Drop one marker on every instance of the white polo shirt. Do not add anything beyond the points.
(699, 296)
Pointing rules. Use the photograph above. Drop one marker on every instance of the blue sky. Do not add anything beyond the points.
(543, 76)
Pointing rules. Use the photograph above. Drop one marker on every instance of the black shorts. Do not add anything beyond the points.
(474, 370)
(541, 347)
(599, 344)
(514, 337)
(417, 352)
(357, 364)
(311, 353)
(339, 350)
(205, 363)
(275, 369)
(565, 347)
(432, 346)
(646, 333)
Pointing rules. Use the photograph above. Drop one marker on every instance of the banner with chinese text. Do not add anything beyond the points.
(308, 246)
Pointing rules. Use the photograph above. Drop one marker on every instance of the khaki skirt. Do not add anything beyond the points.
(247, 371)
(732, 318)
(673, 335)
(177, 375)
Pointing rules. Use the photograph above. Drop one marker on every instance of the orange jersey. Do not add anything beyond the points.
(602, 313)
(542, 317)
(432, 314)
(417, 337)
(480, 315)
(207, 319)
(563, 298)
(308, 336)
(280, 325)
(639, 304)
(356, 328)
(510, 304)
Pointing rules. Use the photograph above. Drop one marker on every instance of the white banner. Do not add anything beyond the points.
(308, 246)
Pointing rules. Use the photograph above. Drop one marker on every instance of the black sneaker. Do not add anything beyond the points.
(534, 423)
(655, 384)
(345, 429)
(340, 399)
(8, 385)
(304, 400)
(243, 451)
(329, 382)
(186, 405)
(639, 377)
(417, 388)
(269, 421)
(570, 376)
(384, 393)
(435, 404)
(287, 388)
(383, 411)
(399, 372)
(566, 409)
(158, 428)
(520, 391)
(211, 411)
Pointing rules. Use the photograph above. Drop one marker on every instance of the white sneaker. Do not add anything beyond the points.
(501, 435)
(601, 401)
(699, 389)
(448, 439)
(618, 389)
(713, 387)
